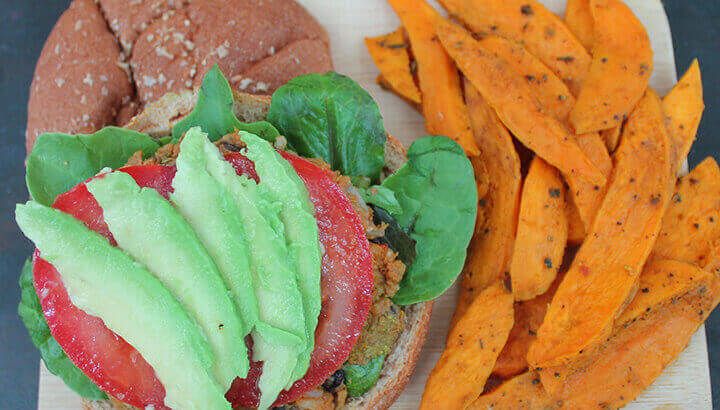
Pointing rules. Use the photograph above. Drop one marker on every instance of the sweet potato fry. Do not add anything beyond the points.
(638, 350)
(513, 100)
(523, 392)
(683, 107)
(620, 70)
(576, 228)
(579, 20)
(713, 262)
(541, 232)
(527, 22)
(611, 137)
(586, 196)
(390, 53)
(528, 318)
(691, 225)
(471, 350)
(442, 101)
(490, 249)
(662, 282)
(604, 273)
(556, 98)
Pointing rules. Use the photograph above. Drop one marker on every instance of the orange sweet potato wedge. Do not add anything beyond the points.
(390, 53)
(527, 22)
(604, 274)
(620, 70)
(683, 107)
(713, 262)
(576, 228)
(611, 137)
(556, 98)
(691, 225)
(528, 318)
(637, 351)
(522, 392)
(579, 19)
(471, 350)
(514, 101)
(664, 281)
(586, 196)
(490, 249)
(442, 100)
(541, 232)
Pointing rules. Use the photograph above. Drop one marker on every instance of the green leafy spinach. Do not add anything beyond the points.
(437, 193)
(59, 161)
(214, 113)
(52, 354)
(330, 116)
(395, 237)
(381, 196)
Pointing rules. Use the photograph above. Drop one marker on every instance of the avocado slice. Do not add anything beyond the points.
(279, 336)
(149, 229)
(279, 183)
(213, 214)
(105, 282)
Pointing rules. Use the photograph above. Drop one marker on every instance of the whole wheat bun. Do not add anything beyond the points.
(106, 59)
(158, 118)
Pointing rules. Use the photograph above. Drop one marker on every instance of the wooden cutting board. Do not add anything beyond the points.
(684, 385)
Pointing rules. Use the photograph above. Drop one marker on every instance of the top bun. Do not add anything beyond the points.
(105, 60)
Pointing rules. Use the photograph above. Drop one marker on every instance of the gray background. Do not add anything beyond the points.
(25, 24)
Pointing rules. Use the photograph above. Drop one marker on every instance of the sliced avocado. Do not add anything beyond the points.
(279, 183)
(105, 282)
(276, 289)
(149, 229)
(213, 214)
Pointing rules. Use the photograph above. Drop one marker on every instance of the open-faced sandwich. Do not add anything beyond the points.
(238, 251)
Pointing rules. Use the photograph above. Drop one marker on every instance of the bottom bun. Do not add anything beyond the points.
(157, 120)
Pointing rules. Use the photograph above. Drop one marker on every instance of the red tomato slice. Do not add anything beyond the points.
(115, 366)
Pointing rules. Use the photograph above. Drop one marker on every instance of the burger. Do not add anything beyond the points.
(229, 250)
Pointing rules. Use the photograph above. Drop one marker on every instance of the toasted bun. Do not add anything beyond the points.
(158, 118)
(106, 59)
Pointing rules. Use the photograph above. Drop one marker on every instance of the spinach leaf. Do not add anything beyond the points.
(214, 113)
(330, 116)
(436, 190)
(52, 354)
(361, 378)
(58, 161)
(395, 237)
(382, 197)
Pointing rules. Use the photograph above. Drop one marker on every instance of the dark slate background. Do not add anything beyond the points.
(24, 25)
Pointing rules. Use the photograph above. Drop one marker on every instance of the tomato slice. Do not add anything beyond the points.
(117, 368)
